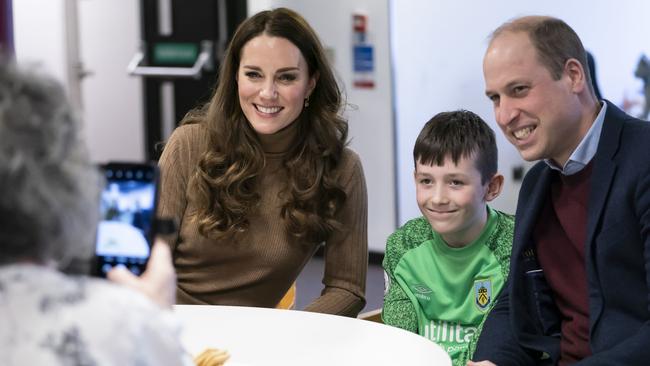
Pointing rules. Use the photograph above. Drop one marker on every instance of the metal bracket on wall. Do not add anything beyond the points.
(204, 61)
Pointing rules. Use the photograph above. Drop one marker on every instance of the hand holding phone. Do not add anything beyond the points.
(158, 282)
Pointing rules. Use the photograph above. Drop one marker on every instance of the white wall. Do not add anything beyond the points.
(437, 52)
(370, 115)
(109, 35)
(110, 101)
(39, 36)
(255, 6)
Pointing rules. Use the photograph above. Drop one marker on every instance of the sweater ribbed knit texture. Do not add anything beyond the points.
(256, 267)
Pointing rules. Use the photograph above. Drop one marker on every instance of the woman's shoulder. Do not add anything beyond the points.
(349, 171)
(189, 136)
(185, 145)
(350, 158)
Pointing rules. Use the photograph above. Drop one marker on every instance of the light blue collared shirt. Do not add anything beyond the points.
(586, 150)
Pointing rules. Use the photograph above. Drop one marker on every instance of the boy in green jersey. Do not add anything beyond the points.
(444, 269)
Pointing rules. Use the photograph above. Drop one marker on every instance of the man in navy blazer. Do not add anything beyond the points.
(579, 284)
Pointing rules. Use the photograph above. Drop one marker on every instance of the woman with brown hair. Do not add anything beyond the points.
(260, 177)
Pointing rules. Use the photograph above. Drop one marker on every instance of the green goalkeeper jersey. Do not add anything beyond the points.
(445, 293)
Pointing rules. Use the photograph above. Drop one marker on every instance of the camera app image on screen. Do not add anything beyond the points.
(127, 212)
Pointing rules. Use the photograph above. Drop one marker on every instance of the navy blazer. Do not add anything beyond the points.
(524, 327)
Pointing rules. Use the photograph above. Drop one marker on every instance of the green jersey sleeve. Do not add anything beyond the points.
(398, 310)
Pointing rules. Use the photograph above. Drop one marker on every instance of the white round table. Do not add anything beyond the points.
(265, 337)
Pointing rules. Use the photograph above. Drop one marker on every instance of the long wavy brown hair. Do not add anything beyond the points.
(224, 185)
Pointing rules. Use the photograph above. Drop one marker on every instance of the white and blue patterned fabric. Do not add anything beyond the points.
(48, 318)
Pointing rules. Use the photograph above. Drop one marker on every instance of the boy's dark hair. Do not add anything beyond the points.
(458, 134)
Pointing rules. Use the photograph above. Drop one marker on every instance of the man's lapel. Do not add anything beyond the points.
(603, 169)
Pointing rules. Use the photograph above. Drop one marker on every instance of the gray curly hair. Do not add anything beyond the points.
(48, 188)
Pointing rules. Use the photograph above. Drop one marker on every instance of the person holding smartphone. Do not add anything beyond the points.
(49, 208)
(260, 177)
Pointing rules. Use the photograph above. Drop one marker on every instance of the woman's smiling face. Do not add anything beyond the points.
(273, 82)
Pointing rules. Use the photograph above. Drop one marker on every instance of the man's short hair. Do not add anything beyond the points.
(555, 42)
(458, 134)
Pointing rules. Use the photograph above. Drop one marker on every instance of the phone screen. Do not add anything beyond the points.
(127, 213)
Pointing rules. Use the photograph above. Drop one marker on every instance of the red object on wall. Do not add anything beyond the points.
(364, 84)
(360, 23)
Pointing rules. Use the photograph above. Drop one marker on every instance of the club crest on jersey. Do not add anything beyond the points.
(483, 293)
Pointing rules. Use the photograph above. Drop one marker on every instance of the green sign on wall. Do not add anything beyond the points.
(175, 53)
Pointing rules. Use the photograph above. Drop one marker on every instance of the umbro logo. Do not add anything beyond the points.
(421, 291)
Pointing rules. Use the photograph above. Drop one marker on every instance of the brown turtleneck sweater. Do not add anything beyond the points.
(258, 266)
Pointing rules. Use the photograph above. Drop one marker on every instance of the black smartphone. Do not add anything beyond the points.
(127, 217)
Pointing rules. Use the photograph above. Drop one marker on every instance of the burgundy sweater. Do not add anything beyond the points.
(560, 235)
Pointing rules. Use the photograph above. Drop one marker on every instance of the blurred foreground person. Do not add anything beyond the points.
(48, 214)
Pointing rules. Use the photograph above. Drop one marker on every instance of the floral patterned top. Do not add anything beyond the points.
(48, 318)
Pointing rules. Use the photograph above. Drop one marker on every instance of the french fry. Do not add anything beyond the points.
(212, 357)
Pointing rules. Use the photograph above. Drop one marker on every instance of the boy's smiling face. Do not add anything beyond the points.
(453, 199)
